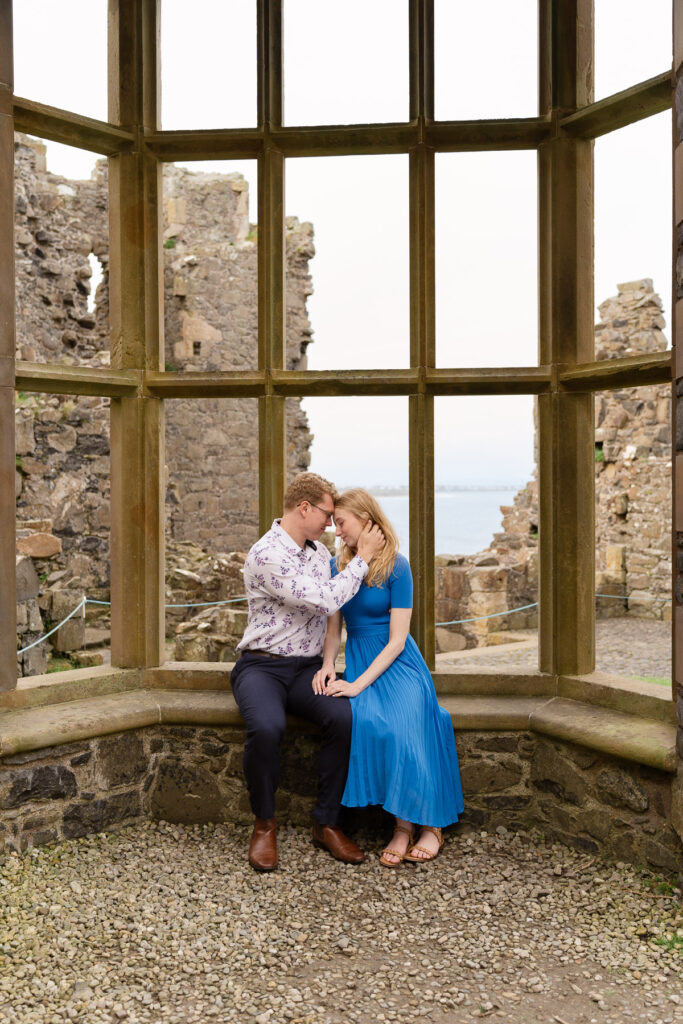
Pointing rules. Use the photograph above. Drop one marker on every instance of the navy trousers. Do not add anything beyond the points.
(265, 690)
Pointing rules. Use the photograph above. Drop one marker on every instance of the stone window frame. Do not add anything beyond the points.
(564, 380)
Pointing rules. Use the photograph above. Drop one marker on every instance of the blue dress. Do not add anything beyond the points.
(403, 752)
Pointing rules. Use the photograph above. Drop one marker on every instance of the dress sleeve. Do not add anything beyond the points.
(401, 584)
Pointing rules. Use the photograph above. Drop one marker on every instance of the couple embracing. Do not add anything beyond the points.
(385, 740)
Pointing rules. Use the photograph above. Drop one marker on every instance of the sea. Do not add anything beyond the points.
(465, 519)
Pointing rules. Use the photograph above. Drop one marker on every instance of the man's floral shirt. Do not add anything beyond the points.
(291, 594)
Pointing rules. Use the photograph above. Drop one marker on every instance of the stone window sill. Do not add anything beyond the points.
(636, 726)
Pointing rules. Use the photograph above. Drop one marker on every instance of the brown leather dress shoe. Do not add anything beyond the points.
(263, 845)
(332, 839)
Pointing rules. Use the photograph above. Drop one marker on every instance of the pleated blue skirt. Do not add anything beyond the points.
(403, 754)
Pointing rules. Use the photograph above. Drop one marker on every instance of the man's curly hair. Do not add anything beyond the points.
(308, 487)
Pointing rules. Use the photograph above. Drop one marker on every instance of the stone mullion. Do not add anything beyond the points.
(8, 608)
(271, 331)
(421, 49)
(271, 266)
(421, 520)
(677, 406)
(136, 319)
(422, 334)
(421, 405)
(565, 420)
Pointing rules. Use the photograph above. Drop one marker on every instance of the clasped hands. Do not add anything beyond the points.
(325, 682)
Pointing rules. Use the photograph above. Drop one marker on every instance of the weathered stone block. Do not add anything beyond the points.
(49, 782)
(22, 618)
(185, 793)
(25, 441)
(212, 748)
(659, 855)
(507, 801)
(121, 760)
(624, 845)
(615, 787)
(552, 773)
(43, 837)
(448, 640)
(83, 818)
(63, 440)
(453, 582)
(39, 545)
(80, 759)
(473, 816)
(484, 776)
(34, 662)
(498, 742)
(28, 584)
(488, 579)
(63, 602)
(615, 558)
(595, 822)
(577, 842)
(33, 616)
(581, 756)
(526, 746)
(70, 636)
(233, 764)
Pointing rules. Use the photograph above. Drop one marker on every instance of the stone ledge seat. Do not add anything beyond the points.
(646, 741)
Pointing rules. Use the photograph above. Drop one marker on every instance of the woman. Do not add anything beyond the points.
(403, 752)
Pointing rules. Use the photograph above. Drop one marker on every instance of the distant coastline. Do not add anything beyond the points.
(399, 490)
(465, 516)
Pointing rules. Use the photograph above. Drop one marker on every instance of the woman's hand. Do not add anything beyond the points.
(323, 677)
(341, 688)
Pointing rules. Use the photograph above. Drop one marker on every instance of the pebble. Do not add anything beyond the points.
(160, 924)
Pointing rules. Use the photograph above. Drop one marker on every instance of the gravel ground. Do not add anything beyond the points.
(160, 923)
(625, 647)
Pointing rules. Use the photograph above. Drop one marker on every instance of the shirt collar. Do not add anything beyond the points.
(288, 543)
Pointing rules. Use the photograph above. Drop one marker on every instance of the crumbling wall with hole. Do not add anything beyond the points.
(210, 277)
(62, 450)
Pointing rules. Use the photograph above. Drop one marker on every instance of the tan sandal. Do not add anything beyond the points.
(431, 856)
(401, 856)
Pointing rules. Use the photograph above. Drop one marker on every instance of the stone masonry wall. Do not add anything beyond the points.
(210, 279)
(210, 284)
(633, 501)
(62, 448)
(193, 774)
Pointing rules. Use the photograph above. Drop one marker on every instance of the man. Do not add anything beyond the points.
(287, 581)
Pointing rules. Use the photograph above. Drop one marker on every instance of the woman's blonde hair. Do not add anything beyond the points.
(365, 507)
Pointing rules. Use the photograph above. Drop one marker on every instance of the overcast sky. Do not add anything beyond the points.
(354, 69)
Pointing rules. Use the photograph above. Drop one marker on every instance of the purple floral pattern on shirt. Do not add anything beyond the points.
(291, 593)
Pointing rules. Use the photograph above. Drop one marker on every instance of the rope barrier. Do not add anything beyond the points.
(91, 600)
(198, 604)
(40, 640)
(236, 600)
(494, 615)
(524, 607)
